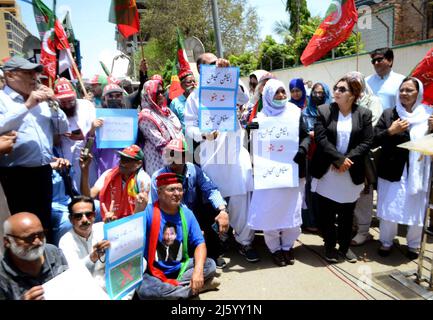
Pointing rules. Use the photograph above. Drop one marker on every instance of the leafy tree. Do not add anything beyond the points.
(273, 55)
(299, 14)
(247, 62)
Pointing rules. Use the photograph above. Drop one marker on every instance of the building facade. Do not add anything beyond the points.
(12, 29)
(390, 23)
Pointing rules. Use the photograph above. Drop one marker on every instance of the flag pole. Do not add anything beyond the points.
(74, 66)
(141, 45)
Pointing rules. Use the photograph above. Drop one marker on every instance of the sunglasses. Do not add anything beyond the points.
(341, 89)
(79, 215)
(213, 63)
(31, 238)
(375, 60)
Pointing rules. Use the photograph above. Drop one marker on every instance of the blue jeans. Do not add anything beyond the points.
(153, 288)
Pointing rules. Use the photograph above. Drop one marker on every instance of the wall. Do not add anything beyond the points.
(405, 60)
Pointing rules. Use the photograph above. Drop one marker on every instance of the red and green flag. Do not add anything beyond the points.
(124, 13)
(340, 19)
(424, 72)
(53, 36)
(180, 68)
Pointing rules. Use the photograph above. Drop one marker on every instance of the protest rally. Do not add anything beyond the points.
(175, 150)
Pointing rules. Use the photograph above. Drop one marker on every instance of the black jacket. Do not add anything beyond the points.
(325, 135)
(304, 142)
(391, 159)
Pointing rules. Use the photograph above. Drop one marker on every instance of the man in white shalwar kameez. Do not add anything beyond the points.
(224, 159)
(278, 211)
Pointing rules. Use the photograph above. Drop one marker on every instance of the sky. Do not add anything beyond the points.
(90, 23)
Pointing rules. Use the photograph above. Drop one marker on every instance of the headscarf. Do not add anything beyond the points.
(258, 74)
(149, 95)
(298, 83)
(311, 109)
(269, 91)
(418, 170)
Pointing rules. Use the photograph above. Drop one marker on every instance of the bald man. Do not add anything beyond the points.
(28, 262)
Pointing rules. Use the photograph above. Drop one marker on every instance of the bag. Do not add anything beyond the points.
(370, 168)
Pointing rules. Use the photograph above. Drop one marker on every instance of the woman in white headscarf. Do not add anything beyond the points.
(278, 211)
(364, 206)
(403, 174)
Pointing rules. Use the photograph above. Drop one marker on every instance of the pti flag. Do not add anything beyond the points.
(340, 19)
(424, 72)
(124, 13)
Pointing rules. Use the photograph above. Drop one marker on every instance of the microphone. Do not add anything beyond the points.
(52, 102)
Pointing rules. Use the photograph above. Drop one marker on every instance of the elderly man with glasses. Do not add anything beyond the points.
(124, 189)
(181, 276)
(29, 261)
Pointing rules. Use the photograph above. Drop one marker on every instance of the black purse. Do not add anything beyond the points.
(370, 168)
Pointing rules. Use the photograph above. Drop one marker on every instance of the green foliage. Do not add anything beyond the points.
(247, 62)
(299, 14)
(273, 55)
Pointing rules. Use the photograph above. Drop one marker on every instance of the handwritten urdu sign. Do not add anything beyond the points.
(217, 98)
(275, 146)
(124, 264)
(119, 129)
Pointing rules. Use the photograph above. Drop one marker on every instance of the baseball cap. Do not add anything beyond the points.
(19, 63)
(178, 145)
(109, 88)
(63, 89)
(132, 152)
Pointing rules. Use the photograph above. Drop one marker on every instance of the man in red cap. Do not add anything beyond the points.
(213, 211)
(181, 276)
(112, 96)
(81, 114)
(122, 190)
(188, 84)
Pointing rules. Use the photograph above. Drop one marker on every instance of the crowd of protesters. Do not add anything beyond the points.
(58, 187)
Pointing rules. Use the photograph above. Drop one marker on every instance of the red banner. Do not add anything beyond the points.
(424, 72)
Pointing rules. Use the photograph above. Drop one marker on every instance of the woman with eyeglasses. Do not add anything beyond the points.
(320, 94)
(343, 133)
(403, 174)
(364, 205)
(158, 125)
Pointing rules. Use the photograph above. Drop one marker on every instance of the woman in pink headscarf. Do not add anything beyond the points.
(157, 124)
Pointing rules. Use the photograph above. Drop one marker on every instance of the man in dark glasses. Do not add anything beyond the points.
(384, 82)
(29, 261)
(85, 244)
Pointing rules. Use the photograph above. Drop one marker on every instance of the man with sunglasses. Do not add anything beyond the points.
(385, 82)
(85, 244)
(29, 261)
(122, 190)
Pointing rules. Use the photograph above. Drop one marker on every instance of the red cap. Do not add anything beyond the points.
(63, 89)
(133, 152)
(165, 179)
(109, 88)
(183, 73)
(157, 77)
(178, 145)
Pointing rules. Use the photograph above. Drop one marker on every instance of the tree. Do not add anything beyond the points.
(239, 27)
(273, 55)
(282, 28)
(299, 14)
(247, 62)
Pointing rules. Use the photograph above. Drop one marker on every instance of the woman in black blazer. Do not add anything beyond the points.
(343, 134)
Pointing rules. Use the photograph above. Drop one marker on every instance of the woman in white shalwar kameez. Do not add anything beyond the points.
(403, 201)
(278, 211)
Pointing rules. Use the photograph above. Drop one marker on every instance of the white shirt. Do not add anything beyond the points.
(386, 88)
(77, 251)
(335, 185)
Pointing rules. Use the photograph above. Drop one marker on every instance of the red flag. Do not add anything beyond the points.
(124, 13)
(334, 29)
(424, 72)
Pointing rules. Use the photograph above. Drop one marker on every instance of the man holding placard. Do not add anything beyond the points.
(181, 276)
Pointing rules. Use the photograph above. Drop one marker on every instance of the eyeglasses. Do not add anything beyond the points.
(31, 238)
(341, 89)
(375, 60)
(126, 159)
(213, 63)
(79, 215)
(173, 189)
(318, 93)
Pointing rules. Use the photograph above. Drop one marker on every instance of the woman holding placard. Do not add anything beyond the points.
(277, 211)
